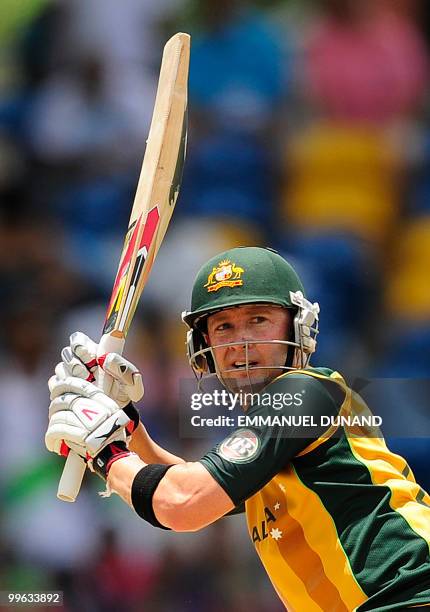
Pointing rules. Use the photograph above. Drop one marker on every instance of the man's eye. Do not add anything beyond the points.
(222, 327)
(258, 319)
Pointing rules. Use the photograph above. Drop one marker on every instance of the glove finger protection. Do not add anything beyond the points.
(73, 366)
(72, 384)
(61, 370)
(126, 374)
(67, 392)
(69, 384)
(84, 349)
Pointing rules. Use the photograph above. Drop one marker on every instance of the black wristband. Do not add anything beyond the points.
(105, 458)
(142, 491)
(132, 412)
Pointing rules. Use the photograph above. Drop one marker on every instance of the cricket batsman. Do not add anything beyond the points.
(338, 521)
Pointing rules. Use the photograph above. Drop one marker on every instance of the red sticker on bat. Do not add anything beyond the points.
(122, 270)
(117, 297)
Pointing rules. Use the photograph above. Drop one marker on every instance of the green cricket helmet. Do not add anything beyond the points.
(249, 275)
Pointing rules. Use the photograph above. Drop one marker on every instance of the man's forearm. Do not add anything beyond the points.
(149, 451)
(121, 476)
(185, 499)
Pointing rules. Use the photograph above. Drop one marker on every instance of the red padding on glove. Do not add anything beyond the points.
(64, 449)
(101, 360)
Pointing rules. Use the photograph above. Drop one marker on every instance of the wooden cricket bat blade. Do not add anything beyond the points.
(154, 202)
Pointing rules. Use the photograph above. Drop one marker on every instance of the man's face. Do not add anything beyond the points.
(252, 323)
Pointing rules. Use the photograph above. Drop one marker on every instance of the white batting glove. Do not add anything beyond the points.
(60, 386)
(87, 423)
(124, 384)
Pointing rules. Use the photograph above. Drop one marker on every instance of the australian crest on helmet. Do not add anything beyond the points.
(225, 274)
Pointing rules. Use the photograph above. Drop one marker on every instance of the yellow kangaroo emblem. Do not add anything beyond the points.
(211, 277)
(226, 274)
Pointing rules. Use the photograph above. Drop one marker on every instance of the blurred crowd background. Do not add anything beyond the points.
(309, 132)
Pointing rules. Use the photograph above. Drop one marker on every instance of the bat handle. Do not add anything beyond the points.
(74, 468)
(71, 478)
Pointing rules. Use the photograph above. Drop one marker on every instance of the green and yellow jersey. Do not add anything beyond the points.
(337, 520)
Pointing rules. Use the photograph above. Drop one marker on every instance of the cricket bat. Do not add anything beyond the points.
(154, 202)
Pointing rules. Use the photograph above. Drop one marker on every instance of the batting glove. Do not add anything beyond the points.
(91, 424)
(63, 385)
(124, 381)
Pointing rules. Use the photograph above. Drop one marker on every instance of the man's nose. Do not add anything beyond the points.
(242, 342)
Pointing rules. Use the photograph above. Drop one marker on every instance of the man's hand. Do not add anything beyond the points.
(123, 381)
(85, 420)
(61, 386)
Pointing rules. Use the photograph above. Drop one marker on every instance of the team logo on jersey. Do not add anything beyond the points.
(225, 274)
(240, 447)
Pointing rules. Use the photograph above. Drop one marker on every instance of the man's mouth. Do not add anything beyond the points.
(242, 365)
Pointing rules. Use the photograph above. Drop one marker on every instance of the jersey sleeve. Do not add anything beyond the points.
(253, 454)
